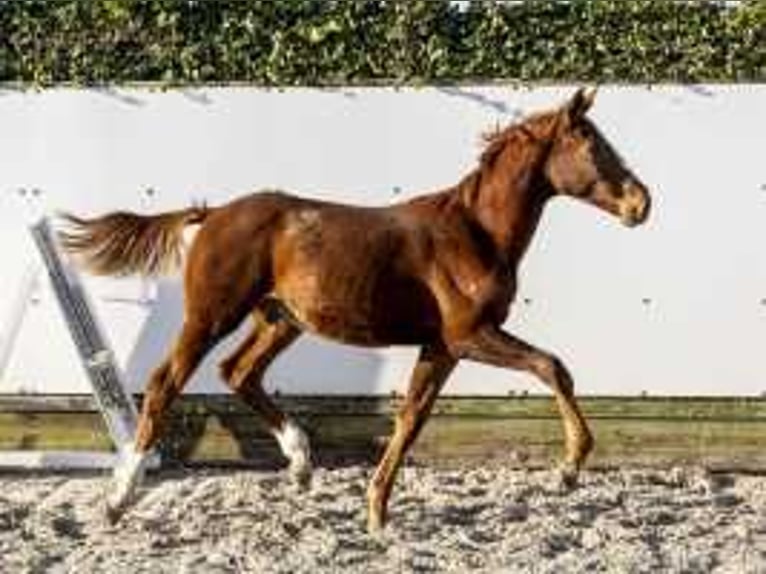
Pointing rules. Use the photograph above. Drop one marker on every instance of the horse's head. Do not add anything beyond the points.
(582, 164)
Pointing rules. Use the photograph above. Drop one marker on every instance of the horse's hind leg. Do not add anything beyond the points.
(165, 384)
(243, 372)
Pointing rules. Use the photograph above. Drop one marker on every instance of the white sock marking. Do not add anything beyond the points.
(127, 475)
(295, 446)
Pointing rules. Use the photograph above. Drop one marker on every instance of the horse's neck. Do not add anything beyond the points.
(507, 199)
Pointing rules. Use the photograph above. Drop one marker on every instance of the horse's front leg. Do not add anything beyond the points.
(492, 346)
(431, 371)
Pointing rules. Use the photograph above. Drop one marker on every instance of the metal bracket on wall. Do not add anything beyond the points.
(113, 401)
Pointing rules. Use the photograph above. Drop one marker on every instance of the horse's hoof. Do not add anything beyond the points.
(112, 514)
(375, 524)
(301, 477)
(566, 478)
(376, 512)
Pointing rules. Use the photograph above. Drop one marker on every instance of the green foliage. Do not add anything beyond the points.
(333, 42)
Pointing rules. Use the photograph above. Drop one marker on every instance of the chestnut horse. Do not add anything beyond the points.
(438, 271)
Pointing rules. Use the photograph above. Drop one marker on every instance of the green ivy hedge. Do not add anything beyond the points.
(333, 42)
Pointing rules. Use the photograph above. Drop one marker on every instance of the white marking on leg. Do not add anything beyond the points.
(295, 446)
(127, 475)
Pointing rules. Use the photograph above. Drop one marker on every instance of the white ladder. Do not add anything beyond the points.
(112, 400)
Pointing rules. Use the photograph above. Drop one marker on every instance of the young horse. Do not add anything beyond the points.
(438, 271)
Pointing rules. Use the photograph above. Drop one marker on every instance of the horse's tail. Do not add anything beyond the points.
(124, 243)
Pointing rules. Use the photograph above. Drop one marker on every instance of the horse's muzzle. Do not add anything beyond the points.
(635, 204)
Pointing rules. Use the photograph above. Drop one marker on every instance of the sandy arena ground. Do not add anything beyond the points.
(481, 519)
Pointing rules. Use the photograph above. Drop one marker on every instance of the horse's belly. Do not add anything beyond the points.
(392, 315)
(354, 326)
(341, 324)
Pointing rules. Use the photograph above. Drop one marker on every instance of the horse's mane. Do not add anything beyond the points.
(519, 134)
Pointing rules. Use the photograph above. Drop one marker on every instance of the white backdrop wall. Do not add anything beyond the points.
(677, 307)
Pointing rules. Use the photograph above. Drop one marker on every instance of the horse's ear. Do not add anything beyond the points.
(580, 103)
